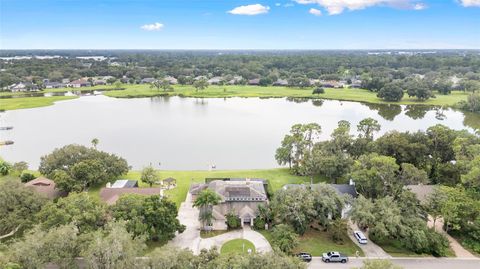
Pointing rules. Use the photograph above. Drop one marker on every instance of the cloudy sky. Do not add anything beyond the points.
(239, 24)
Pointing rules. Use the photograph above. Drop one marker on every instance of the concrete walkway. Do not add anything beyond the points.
(371, 250)
(457, 248)
(190, 238)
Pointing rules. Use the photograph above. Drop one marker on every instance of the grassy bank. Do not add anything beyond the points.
(144, 90)
(31, 102)
(237, 246)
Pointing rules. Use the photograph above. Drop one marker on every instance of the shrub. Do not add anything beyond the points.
(5, 167)
(26, 177)
(284, 237)
(233, 222)
(318, 90)
(338, 229)
(259, 224)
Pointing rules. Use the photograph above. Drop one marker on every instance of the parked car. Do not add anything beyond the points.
(334, 256)
(361, 238)
(306, 257)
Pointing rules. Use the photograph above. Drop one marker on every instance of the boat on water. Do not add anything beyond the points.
(4, 128)
(5, 143)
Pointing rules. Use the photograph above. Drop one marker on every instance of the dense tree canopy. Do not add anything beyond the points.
(75, 167)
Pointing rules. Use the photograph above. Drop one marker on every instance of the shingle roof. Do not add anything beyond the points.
(125, 183)
(422, 191)
(45, 187)
(345, 189)
(111, 195)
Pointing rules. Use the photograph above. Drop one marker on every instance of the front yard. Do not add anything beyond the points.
(317, 242)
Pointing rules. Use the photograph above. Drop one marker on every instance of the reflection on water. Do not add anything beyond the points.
(190, 133)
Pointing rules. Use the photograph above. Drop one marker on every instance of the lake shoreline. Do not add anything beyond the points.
(144, 91)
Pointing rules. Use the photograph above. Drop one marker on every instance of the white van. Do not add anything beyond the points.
(361, 238)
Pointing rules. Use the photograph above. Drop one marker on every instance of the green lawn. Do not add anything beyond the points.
(277, 178)
(31, 102)
(318, 242)
(144, 90)
(237, 246)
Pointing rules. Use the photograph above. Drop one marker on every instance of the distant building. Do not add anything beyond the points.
(239, 196)
(422, 191)
(171, 80)
(79, 83)
(281, 82)
(215, 81)
(23, 87)
(147, 80)
(45, 187)
(54, 85)
(254, 82)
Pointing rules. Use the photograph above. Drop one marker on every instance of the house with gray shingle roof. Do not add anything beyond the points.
(239, 196)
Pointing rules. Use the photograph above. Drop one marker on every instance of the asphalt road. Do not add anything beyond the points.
(406, 263)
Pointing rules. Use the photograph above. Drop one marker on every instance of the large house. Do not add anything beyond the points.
(240, 196)
(23, 87)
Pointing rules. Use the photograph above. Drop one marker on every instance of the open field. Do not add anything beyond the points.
(237, 246)
(31, 102)
(144, 90)
(318, 242)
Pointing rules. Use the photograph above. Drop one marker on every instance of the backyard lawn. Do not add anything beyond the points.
(237, 246)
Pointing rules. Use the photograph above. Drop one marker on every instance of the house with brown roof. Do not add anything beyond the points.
(238, 196)
(79, 83)
(422, 191)
(45, 187)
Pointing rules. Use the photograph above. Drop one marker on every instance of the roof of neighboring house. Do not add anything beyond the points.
(196, 188)
(124, 183)
(148, 80)
(169, 180)
(45, 187)
(80, 81)
(345, 189)
(111, 195)
(422, 191)
(340, 188)
(254, 81)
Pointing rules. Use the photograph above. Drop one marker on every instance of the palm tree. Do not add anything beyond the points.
(95, 142)
(205, 201)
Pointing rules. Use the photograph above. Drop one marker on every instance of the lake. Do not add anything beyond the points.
(192, 134)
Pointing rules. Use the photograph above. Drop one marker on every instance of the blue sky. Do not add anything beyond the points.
(223, 24)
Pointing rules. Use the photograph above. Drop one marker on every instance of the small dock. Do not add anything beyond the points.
(6, 143)
(6, 128)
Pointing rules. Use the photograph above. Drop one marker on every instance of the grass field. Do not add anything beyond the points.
(318, 242)
(144, 90)
(31, 102)
(237, 246)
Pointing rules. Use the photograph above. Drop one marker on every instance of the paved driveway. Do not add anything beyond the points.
(190, 238)
(371, 250)
(457, 248)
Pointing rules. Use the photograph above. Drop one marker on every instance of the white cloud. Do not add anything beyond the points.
(419, 6)
(470, 3)
(152, 27)
(335, 7)
(288, 5)
(277, 4)
(254, 9)
(315, 12)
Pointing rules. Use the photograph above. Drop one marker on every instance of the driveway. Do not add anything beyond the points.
(190, 238)
(457, 248)
(371, 250)
(188, 216)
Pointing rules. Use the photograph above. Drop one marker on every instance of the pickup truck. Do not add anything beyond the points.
(334, 256)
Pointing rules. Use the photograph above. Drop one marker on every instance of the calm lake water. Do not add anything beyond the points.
(190, 134)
